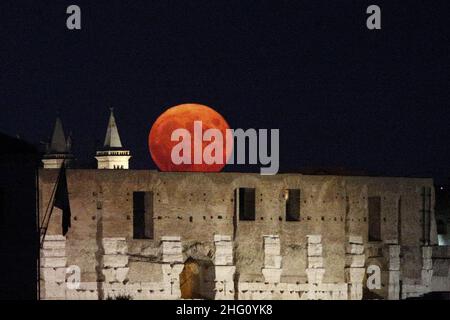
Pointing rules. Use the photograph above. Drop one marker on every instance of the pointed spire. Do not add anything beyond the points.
(58, 149)
(69, 142)
(112, 138)
(58, 142)
(112, 155)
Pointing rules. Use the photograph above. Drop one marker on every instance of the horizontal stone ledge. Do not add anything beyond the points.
(170, 238)
(271, 239)
(53, 262)
(224, 250)
(54, 245)
(172, 258)
(54, 252)
(220, 238)
(355, 239)
(54, 237)
(115, 260)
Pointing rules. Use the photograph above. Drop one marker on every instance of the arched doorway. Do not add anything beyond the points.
(196, 279)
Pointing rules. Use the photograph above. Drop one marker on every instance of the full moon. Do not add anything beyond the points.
(183, 117)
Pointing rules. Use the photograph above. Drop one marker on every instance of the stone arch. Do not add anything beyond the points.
(197, 279)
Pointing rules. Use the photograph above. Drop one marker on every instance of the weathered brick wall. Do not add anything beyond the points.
(197, 206)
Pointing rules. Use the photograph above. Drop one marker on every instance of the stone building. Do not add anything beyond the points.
(163, 235)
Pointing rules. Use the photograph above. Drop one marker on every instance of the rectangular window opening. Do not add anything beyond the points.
(293, 205)
(374, 218)
(142, 215)
(246, 204)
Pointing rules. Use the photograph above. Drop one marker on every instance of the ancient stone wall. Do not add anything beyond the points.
(270, 257)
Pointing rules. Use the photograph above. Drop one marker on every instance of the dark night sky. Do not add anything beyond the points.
(341, 95)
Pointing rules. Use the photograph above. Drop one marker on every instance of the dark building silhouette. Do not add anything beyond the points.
(19, 162)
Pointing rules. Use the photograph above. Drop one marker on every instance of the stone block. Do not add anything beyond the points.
(55, 290)
(224, 273)
(339, 294)
(272, 275)
(427, 276)
(393, 285)
(314, 250)
(53, 274)
(172, 250)
(54, 245)
(353, 248)
(291, 287)
(172, 258)
(61, 252)
(272, 249)
(355, 239)
(394, 263)
(220, 238)
(272, 262)
(115, 274)
(224, 249)
(171, 272)
(271, 239)
(315, 276)
(427, 252)
(115, 260)
(355, 291)
(394, 291)
(223, 260)
(243, 286)
(53, 262)
(314, 238)
(394, 276)
(355, 261)
(109, 274)
(121, 274)
(171, 247)
(315, 262)
(355, 275)
(115, 245)
(427, 264)
(394, 251)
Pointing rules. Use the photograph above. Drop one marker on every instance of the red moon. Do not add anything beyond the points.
(183, 117)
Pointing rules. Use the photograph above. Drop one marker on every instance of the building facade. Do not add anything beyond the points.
(144, 234)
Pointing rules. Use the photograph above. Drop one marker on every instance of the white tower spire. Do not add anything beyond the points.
(112, 155)
(58, 149)
(112, 138)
